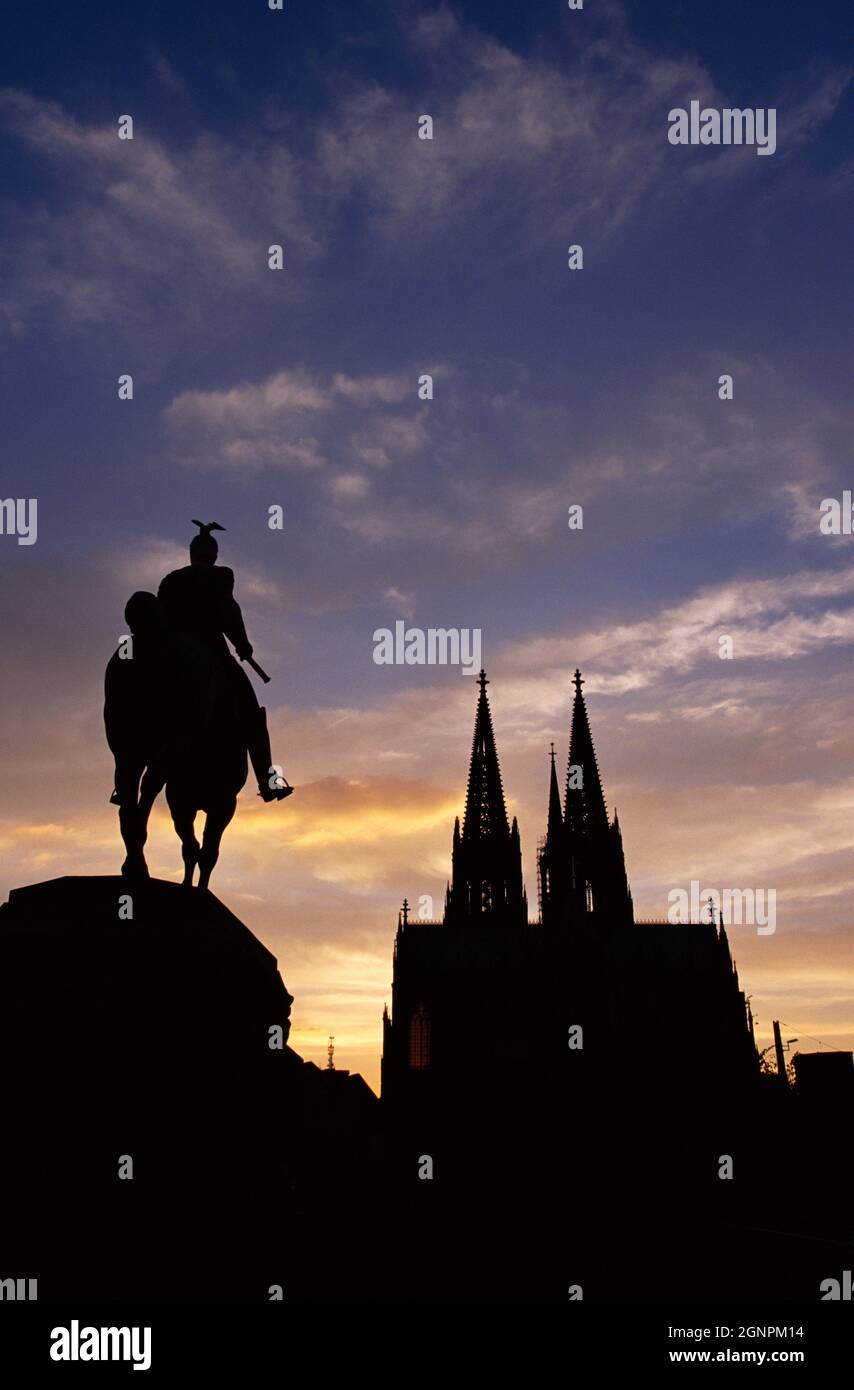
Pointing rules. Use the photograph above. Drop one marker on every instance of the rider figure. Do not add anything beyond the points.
(198, 601)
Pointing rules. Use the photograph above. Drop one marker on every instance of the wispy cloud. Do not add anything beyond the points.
(150, 232)
(295, 420)
(157, 231)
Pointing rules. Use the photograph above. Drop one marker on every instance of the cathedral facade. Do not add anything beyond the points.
(554, 1049)
(576, 1101)
(585, 930)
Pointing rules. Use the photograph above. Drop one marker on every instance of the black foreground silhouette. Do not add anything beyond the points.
(149, 1039)
(143, 1022)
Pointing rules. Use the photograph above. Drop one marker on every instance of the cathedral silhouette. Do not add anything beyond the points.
(565, 1094)
(586, 920)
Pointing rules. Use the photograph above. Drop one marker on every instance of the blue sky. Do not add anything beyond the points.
(553, 387)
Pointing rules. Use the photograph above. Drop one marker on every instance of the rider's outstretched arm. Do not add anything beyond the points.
(232, 618)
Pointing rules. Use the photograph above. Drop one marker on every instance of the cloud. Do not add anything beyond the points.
(389, 389)
(650, 461)
(760, 615)
(248, 407)
(170, 79)
(296, 420)
(655, 457)
(400, 600)
(345, 488)
(145, 224)
(157, 233)
(569, 141)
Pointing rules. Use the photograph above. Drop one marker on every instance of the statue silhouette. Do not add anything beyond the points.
(180, 712)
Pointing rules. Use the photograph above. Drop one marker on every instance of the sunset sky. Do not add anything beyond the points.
(553, 387)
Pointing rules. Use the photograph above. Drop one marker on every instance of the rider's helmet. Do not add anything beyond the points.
(203, 547)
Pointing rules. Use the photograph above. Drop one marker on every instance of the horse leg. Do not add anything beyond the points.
(152, 785)
(134, 865)
(184, 820)
(215, 824)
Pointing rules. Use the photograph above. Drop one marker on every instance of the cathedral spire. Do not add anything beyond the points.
(551, 868)
(486, 883)
(486, 813)
(581, 866)
(584, 806)
(555, 821)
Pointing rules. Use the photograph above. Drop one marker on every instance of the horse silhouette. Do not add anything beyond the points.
(206, 772)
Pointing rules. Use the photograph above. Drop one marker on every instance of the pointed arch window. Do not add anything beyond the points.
(419, 1039)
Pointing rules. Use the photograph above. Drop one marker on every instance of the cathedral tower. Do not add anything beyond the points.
(486, 882)
(581, 865)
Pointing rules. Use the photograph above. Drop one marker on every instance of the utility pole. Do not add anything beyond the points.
(778, 1048)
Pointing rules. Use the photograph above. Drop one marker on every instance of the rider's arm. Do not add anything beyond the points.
(232, 618)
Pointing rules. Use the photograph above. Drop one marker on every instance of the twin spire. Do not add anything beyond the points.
(581, 868)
